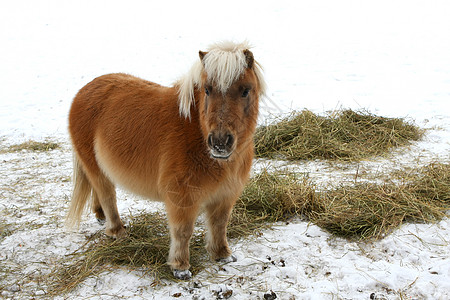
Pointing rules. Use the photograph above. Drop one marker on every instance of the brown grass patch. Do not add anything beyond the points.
(359, 211)
(6, 229)
(269, 198)
(145, 249)
(343, 134)
(33, 146)
(369, 210)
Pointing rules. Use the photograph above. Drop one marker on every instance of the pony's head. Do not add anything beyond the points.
(228, 83)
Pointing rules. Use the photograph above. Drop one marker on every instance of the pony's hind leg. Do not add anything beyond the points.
(105, 196)
(97, 209)
(217, 216)
(104, 202)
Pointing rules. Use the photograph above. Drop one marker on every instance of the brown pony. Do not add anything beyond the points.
(190, 146)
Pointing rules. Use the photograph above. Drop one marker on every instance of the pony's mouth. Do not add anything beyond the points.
(221, 155)
(221, 144)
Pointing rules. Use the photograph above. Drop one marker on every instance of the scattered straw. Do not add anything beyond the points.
(361, 211)
(343, 134)
(144, 249)
(369, 210)
(33, 146)
(6, 229)
(269, 198)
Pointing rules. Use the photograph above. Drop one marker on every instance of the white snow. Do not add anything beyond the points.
(390, 57)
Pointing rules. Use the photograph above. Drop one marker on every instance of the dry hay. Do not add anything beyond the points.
(268, 198)
(145, 249)
(369, 210)
(33, 146)
(343, 134)
(359, 211)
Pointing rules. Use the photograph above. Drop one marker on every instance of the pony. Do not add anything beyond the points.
(189, 145)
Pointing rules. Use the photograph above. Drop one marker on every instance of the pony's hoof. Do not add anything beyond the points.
(101, 221)
(182, 274)
(117, 233)
(228, 259)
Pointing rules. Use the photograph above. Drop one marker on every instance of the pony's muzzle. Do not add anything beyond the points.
(221, 144)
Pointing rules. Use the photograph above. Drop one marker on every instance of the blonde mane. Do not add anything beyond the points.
(223, 64)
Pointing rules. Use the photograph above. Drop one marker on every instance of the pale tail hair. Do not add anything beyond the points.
(82, 192)
(223, 64)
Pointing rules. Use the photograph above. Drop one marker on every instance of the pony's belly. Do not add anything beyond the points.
(141, 180)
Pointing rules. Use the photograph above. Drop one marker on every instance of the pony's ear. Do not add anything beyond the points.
(249, 58)
(202, 55)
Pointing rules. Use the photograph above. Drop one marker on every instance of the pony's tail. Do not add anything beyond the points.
(82, 191)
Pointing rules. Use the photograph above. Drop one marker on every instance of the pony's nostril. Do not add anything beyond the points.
(230, 140)
(210, 140)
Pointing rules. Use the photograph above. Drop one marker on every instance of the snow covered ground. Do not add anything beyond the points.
(391, 57)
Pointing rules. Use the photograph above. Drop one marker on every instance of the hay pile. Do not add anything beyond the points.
(369, 210)
(360, 211)
(269, 198)
(344, 134)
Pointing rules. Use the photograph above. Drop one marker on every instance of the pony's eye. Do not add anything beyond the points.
(206, 91)
(245, 93)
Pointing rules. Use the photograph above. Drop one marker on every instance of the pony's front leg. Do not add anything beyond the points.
(181, 225)
(217, 216)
